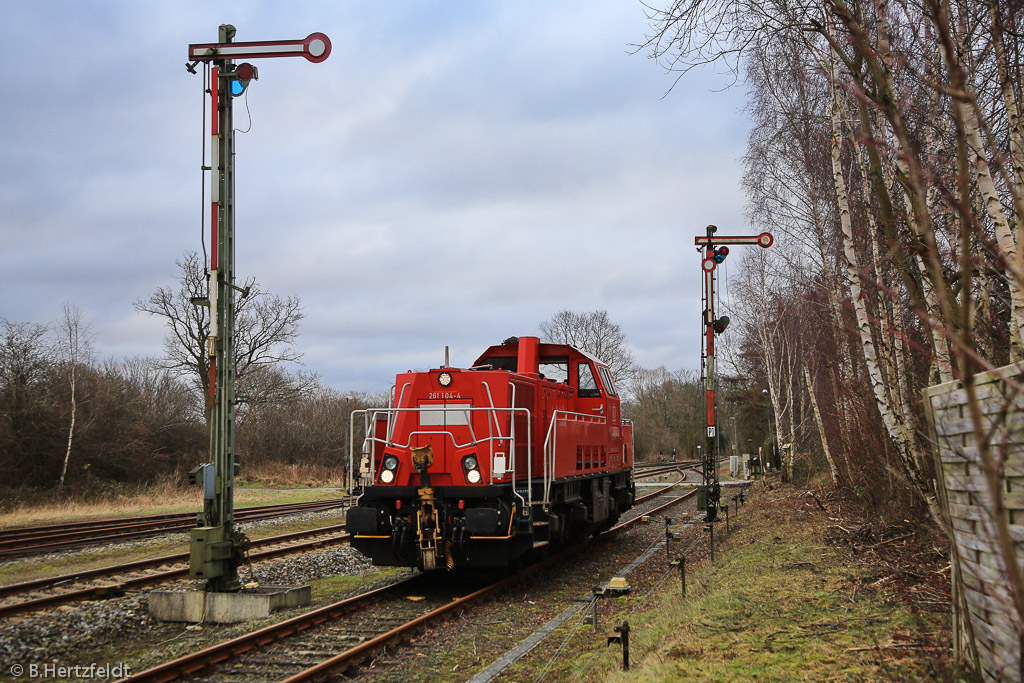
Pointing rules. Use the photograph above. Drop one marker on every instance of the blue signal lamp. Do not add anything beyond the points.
(243, 74)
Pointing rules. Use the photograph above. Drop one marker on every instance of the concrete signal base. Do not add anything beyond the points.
(226, 608)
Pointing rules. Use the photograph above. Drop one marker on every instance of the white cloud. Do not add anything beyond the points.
(452, 174)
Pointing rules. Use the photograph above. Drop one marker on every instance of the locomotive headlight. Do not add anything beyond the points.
(444, 379)
(388, 469)
(472, 467)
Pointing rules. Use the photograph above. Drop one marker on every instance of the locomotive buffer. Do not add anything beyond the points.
(714, 250)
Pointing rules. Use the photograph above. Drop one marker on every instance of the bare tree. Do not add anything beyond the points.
(266, 327)
(667, 410)
(26, 358)
(74, 347)
(926, 152)
(595, 333)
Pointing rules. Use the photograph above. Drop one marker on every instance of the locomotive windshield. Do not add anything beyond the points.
(588, 385)
(606, 379)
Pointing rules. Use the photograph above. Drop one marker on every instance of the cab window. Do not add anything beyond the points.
(501, 362)
(555, 369)
(607, 381)
(587, 385)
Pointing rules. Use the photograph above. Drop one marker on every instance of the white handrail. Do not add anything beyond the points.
(392, 412)
(397, 406)
(551, 445)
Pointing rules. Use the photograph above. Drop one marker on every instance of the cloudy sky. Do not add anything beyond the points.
(454, 173)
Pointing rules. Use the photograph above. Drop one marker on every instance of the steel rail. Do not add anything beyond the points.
(661, 470)
(79, 539)
(364, 650)
(119, 587)
(197, 661)
(13, 532)
(648, 496)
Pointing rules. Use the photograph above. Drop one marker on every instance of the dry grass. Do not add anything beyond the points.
(172, 494)
(786, 601)
(280, 475)
(165, 495)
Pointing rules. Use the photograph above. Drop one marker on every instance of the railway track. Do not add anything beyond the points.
(114, 580)
(24, 541)
(302, 647)
(655, 469)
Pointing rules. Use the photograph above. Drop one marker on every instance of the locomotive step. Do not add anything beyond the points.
(539, 544)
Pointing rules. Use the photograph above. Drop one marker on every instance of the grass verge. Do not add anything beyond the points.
(784, 601)
(159, 499)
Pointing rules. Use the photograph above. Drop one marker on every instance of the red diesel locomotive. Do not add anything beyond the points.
(478, 467)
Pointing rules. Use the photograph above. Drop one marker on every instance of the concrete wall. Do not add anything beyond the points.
(986, 624)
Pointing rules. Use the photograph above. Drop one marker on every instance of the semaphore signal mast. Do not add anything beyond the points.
(217, 547)
(714, 250)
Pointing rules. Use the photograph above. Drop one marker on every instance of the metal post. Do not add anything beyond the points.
(668, 537)
(713, 250)
(217, 547)
(708, 496)
(596, 590)
(711, 531)
(620, 634)
(727, 518)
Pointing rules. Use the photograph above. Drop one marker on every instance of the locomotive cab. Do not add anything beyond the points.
(478, 467)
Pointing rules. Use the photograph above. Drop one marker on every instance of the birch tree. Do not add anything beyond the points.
(74, 347)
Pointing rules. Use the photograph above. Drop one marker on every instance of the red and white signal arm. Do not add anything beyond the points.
(765, 240)
(316, 47)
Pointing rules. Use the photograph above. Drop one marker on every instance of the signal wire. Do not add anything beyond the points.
(584, 614)
(248, 113)
(592, 658)
(579, 621)
(202, 172)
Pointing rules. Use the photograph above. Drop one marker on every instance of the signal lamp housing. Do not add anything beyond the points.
(240, 79)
